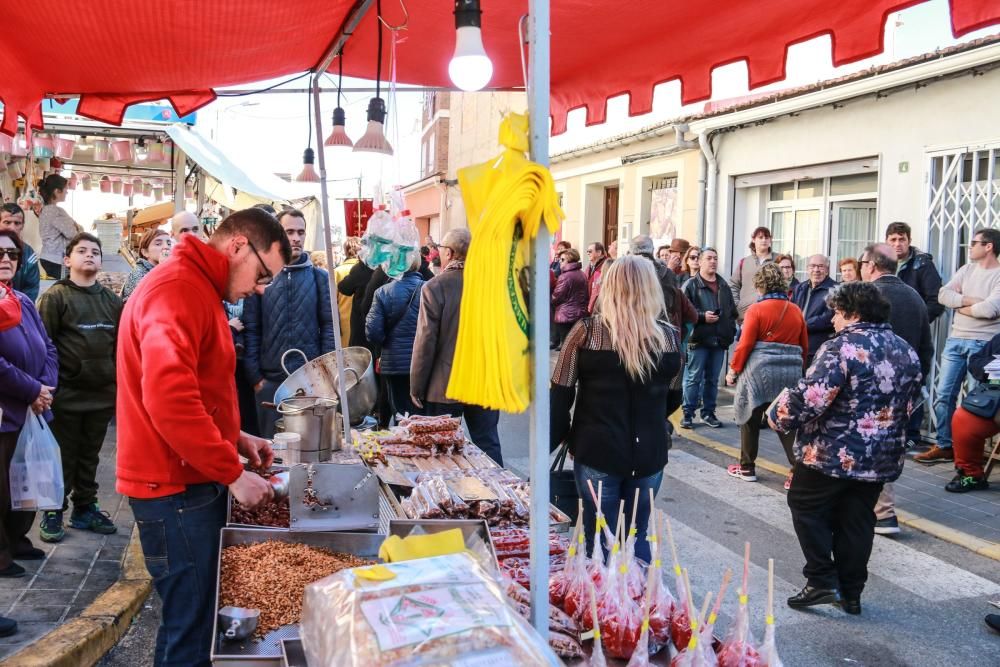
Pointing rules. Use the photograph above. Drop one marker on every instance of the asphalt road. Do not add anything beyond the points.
(924, 604)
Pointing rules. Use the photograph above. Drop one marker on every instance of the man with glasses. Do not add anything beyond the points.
(294, 313)
(27, 278)
(179, 438)
(974, 295)
(810, 296)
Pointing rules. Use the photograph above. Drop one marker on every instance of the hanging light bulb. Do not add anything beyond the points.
(470, 68)
(374, 140)
(308, 173)
(338, 136)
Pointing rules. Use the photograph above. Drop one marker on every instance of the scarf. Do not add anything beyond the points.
(773, 295)
(10, 308)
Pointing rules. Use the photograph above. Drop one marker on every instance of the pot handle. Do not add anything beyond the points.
(357, 375)
(231, 630)
(283, 367)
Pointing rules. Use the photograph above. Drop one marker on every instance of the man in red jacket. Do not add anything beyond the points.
(179, 437)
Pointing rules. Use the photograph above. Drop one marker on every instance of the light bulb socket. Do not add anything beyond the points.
(309, 156)
(339, 117)
(468, 14)
(376, 110)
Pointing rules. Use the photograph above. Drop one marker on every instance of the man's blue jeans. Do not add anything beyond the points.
(613, 490)
(954, 366)
(701, 379)
(180, 542)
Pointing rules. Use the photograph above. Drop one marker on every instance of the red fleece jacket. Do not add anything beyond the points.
(178, 420)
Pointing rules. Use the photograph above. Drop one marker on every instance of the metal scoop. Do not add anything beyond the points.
(279, 483)
(240, 622)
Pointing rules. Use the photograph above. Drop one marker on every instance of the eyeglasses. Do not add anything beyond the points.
(268, 277)
(11, 253)
(974, 242)
(817, 266)
(864, 261)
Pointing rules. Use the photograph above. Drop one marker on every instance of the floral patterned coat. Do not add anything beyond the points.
(852, 406)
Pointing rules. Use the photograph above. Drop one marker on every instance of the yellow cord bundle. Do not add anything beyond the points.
(506, 200)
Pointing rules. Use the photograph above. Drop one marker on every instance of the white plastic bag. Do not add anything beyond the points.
(36, 477)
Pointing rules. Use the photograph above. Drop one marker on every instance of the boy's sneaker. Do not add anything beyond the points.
(687, 421)
(711, 420)
(888, 526)
(739, 472)
(51, 527)
(965, 483)
(90, 517)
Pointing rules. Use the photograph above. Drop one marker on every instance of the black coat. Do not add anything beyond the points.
(908, 318)
(921, 274)
(354, 284)
(819, 318)
(721, 333)
(617, 424)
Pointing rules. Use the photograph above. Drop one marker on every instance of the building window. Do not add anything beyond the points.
(835, 216)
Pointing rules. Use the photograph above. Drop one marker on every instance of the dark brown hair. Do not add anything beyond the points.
(148, 238)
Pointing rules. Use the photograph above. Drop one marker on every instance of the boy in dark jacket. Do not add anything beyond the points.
(915, 268)
(81, 317)
(712, 335)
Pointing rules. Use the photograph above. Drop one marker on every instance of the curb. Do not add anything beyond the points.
(85, 639)
(940, 531)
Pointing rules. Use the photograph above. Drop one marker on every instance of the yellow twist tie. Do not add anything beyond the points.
(597, 634)
(614, 549)
(712, 618)
(657, 563)
(621, 568)
(572, 551)
(645, 625)
(693, 643)
(677, 569)
(743, 599)
(580, 539)
(694, 624)
(651, 538)
(632, 532)
(769, 619)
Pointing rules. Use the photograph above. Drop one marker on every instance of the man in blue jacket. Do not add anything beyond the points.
(27, 278)
(810, 296)
(293, 313)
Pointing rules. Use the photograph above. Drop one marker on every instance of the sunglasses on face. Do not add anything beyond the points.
(10, 253)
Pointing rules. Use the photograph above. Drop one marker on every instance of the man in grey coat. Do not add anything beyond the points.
(434, 348)
(909, 320)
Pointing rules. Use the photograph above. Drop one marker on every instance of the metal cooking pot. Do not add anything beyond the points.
(314, 419)
(319, 378)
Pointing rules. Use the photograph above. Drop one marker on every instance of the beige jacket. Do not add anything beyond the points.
(744, 293)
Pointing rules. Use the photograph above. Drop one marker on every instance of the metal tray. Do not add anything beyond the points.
(267, 653)
(348, 494)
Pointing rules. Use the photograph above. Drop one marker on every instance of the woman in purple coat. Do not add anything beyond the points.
(571, 295)
(28, 371)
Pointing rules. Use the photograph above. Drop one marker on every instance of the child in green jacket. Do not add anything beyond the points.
(81, 317)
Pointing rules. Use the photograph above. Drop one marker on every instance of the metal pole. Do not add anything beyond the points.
(328, 244)
(180, 166)
(538, 106)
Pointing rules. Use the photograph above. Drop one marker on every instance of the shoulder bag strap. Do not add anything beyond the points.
(770, 332)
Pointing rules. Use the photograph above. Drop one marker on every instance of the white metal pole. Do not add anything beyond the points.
(328, 244)
(180, 169)
(538, 106)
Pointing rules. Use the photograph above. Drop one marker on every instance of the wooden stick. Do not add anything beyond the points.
(620, 528)
(673, 547)
(687, 591)
(635, 506)
(704, 610)
(593, 615)
(722, 592)
(770, 587)
(746, 568)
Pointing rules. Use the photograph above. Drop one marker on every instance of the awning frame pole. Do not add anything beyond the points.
(538, 109)
(335, 49)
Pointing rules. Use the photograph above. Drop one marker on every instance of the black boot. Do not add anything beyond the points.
(809, 597)
(7, 626)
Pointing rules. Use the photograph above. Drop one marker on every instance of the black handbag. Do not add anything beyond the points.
(983, 401)
(562, 485)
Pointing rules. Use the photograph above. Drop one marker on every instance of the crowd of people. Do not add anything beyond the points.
(837, 370)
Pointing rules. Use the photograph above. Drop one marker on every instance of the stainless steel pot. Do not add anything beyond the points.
(314, 419)
(319, 378)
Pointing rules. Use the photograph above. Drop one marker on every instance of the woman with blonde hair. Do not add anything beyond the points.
(616, 366)
(770, 356)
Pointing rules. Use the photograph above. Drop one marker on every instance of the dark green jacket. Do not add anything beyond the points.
(83, 324)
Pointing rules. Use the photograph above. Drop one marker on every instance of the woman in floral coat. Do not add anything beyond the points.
(850, 412)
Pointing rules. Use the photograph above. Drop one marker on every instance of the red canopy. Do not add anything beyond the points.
(119, 52)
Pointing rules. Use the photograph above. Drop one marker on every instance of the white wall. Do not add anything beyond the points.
(898, 128)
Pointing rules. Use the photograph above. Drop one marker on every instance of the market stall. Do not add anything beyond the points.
(599, 49)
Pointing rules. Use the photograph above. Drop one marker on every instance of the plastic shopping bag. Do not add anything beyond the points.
(36, 477)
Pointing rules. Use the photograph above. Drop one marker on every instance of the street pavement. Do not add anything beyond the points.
(924, 604)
